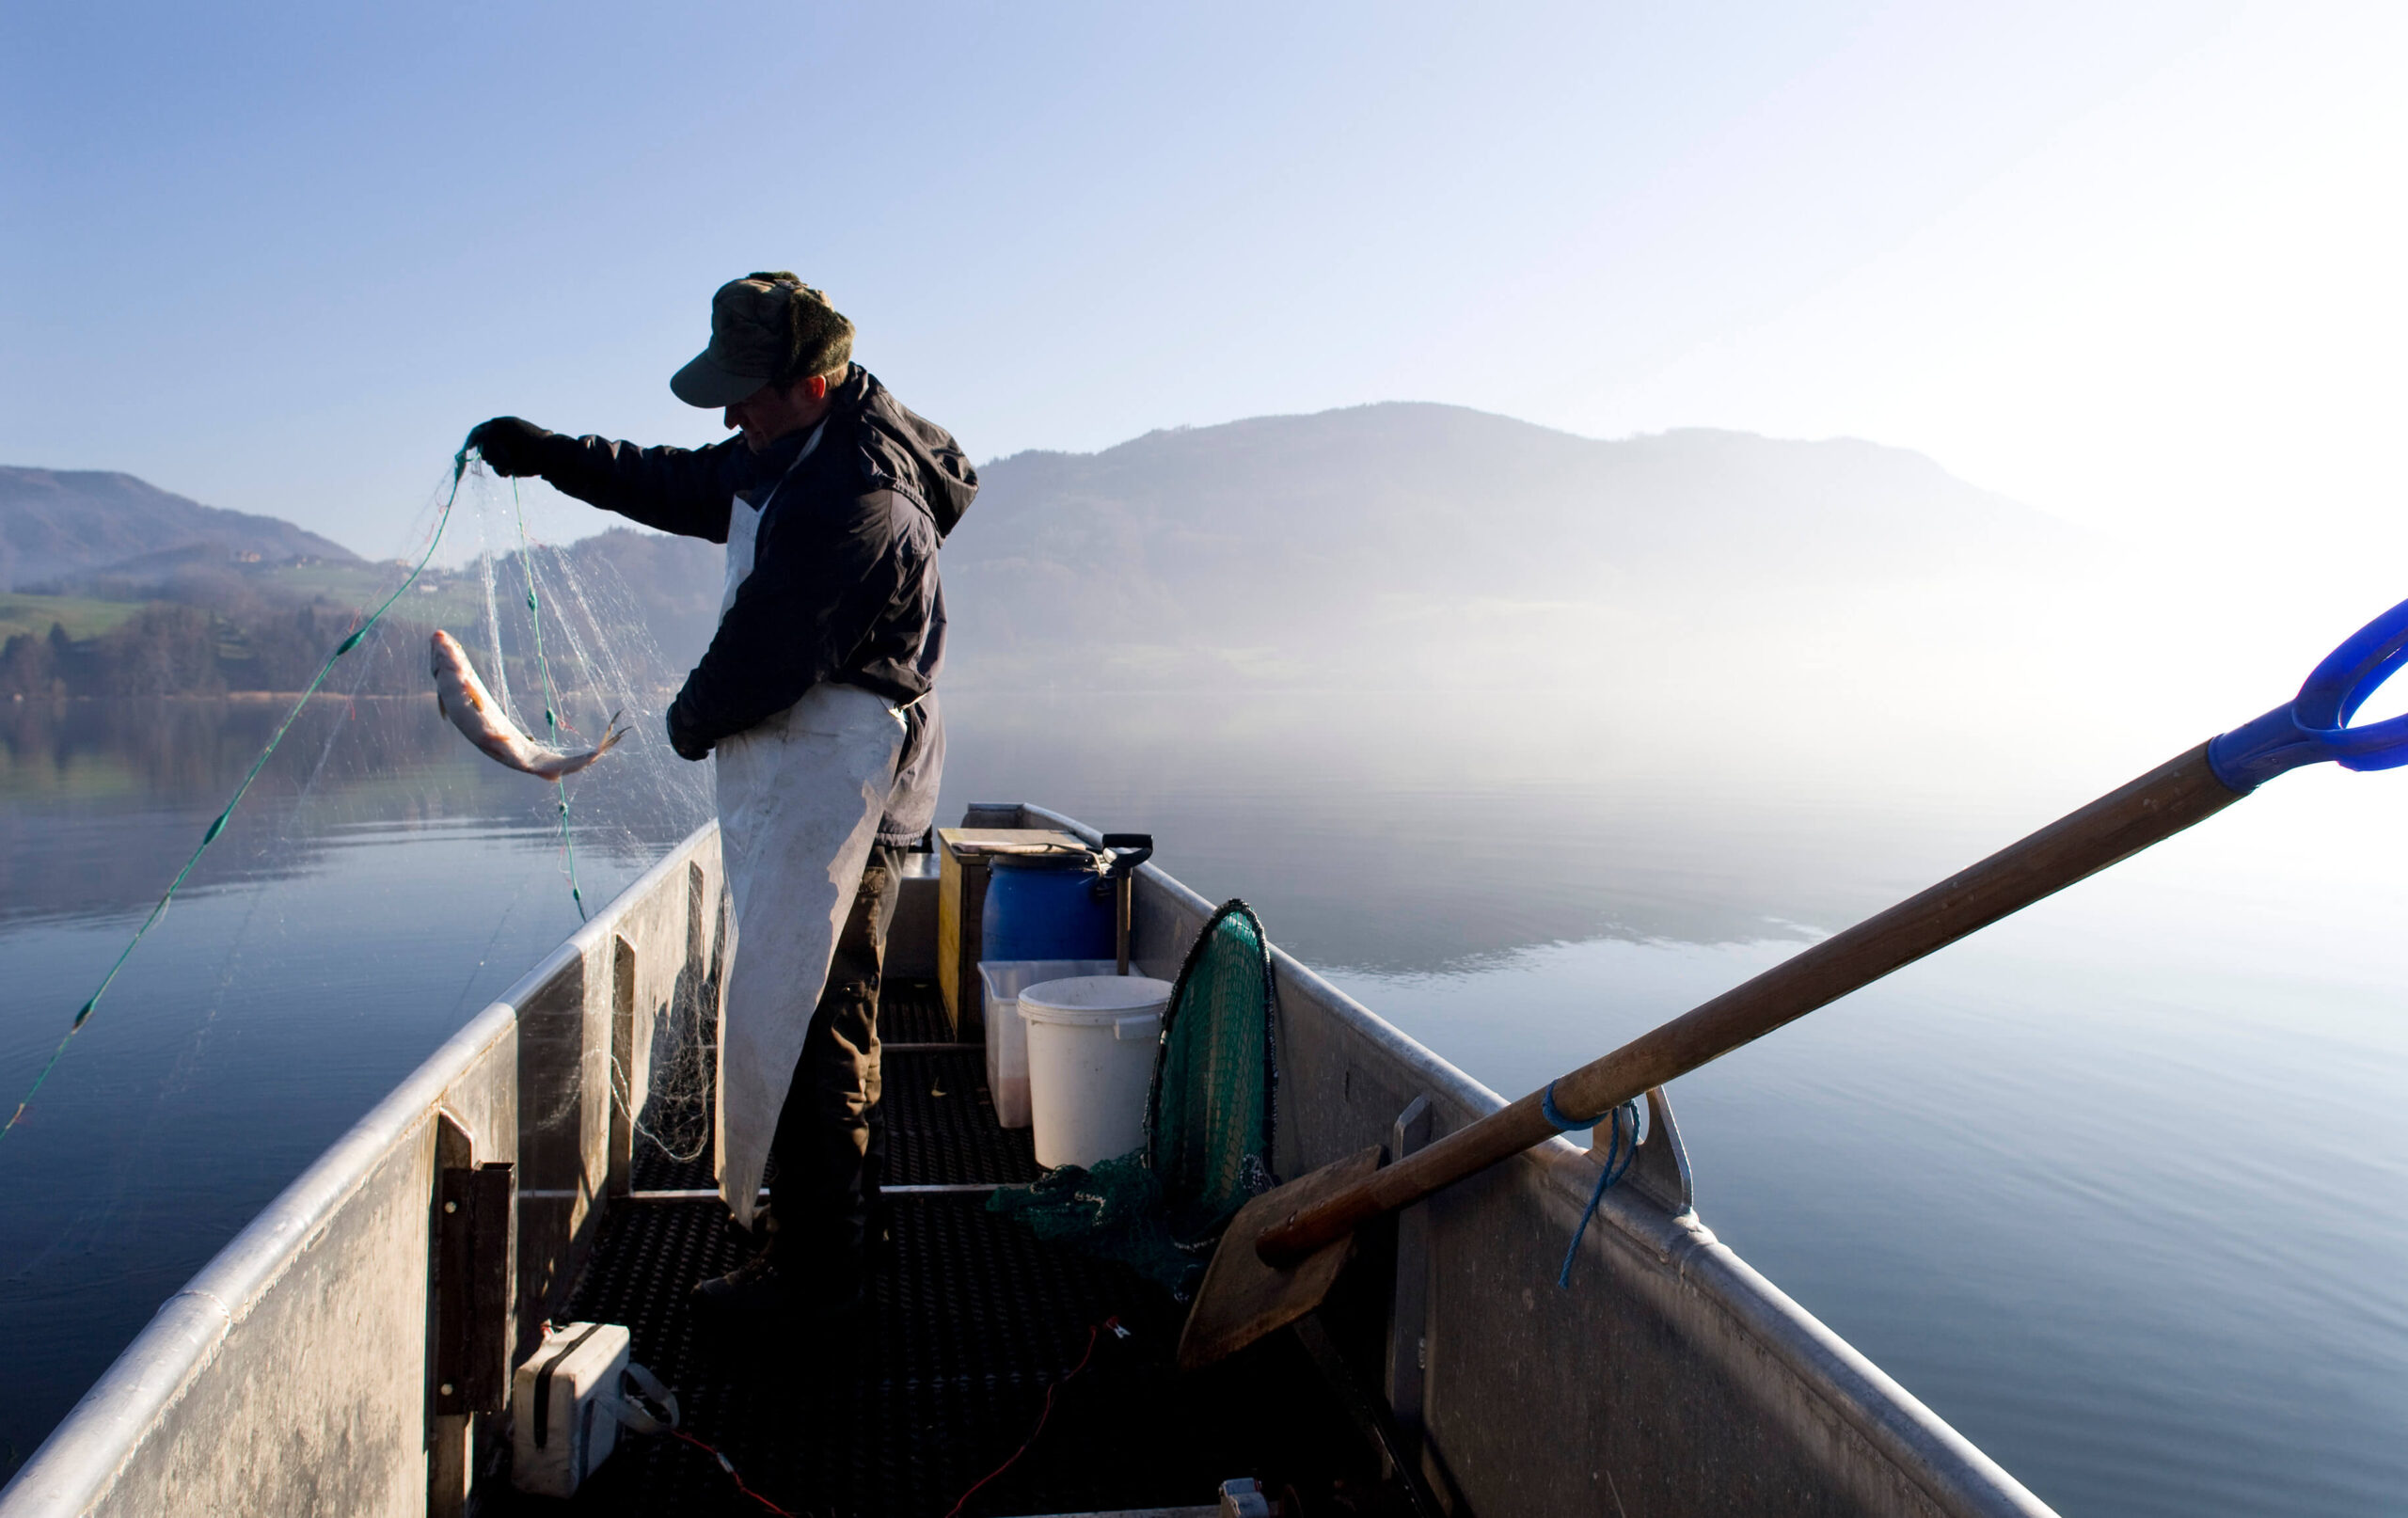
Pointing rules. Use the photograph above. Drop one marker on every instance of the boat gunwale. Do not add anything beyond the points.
(75, 1466)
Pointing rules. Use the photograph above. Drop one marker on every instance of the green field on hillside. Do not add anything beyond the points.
(81, 618)
(453, 601)
(448, 599)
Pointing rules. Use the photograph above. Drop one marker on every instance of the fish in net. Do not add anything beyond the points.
(349, 765)
(1209, 1125)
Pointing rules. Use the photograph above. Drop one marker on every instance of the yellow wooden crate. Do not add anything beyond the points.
(961, 897)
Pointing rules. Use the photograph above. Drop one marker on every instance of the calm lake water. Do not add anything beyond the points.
(2118, 1188)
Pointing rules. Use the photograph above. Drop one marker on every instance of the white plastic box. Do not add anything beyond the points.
(1008, 1036)
(562, 1401)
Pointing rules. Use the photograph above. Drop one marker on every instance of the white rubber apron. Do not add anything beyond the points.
(800, 799)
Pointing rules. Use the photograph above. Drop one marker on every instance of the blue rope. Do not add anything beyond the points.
(84, 1014)
(1617, 1163)
(1555, 1113)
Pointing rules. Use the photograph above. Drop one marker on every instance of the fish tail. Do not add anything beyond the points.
(567, 764)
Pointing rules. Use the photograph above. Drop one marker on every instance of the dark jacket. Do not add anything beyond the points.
(843, 584)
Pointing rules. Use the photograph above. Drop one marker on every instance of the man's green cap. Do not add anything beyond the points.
(765, 329)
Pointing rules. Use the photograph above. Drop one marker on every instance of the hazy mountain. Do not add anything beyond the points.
(1414, 542)
(1379, 546)
(58, 525)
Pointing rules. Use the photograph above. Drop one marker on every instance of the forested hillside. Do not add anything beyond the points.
(214, 627)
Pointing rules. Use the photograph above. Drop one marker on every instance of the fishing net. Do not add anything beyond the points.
(602, 664)
(302, 689)
(1210, 1116)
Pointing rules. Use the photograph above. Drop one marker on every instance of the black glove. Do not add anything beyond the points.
(509, 445)
(682, 736)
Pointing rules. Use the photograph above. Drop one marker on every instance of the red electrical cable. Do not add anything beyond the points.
(1093, 1330)
(729, 1466)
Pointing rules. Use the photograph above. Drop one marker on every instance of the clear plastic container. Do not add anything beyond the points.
(1006, 1035)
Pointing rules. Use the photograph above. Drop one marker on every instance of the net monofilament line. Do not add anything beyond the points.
(1210, 1122)
(583, 652)
(83, 1013)
(583, 647)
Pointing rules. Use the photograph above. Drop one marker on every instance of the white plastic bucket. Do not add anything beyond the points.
(1008, 1036)
(1091, 1042)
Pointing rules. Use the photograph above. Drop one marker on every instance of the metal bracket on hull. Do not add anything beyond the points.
(1660, 1168)
(474, 1231)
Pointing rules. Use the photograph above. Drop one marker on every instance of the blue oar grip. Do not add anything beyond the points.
(2314, 725)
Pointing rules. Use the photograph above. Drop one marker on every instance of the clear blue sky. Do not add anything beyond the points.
(2141, 264)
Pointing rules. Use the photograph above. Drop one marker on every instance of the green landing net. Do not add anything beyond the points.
(1209, 1122)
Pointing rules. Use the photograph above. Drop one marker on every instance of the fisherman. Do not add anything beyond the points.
(817, 698)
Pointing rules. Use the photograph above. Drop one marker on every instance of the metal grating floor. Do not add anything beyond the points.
(971, 1321)
(913, 1012)
(941, 1125)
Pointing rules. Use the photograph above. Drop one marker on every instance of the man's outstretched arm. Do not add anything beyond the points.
(680, 490)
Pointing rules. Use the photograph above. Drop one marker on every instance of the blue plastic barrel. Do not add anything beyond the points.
(1045, 909)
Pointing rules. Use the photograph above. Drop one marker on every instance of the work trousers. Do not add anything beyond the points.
(828, 1154)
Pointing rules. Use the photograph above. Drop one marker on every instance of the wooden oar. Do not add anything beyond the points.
(1284, 1251)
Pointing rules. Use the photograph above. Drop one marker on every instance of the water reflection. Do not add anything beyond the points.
(93, 794)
